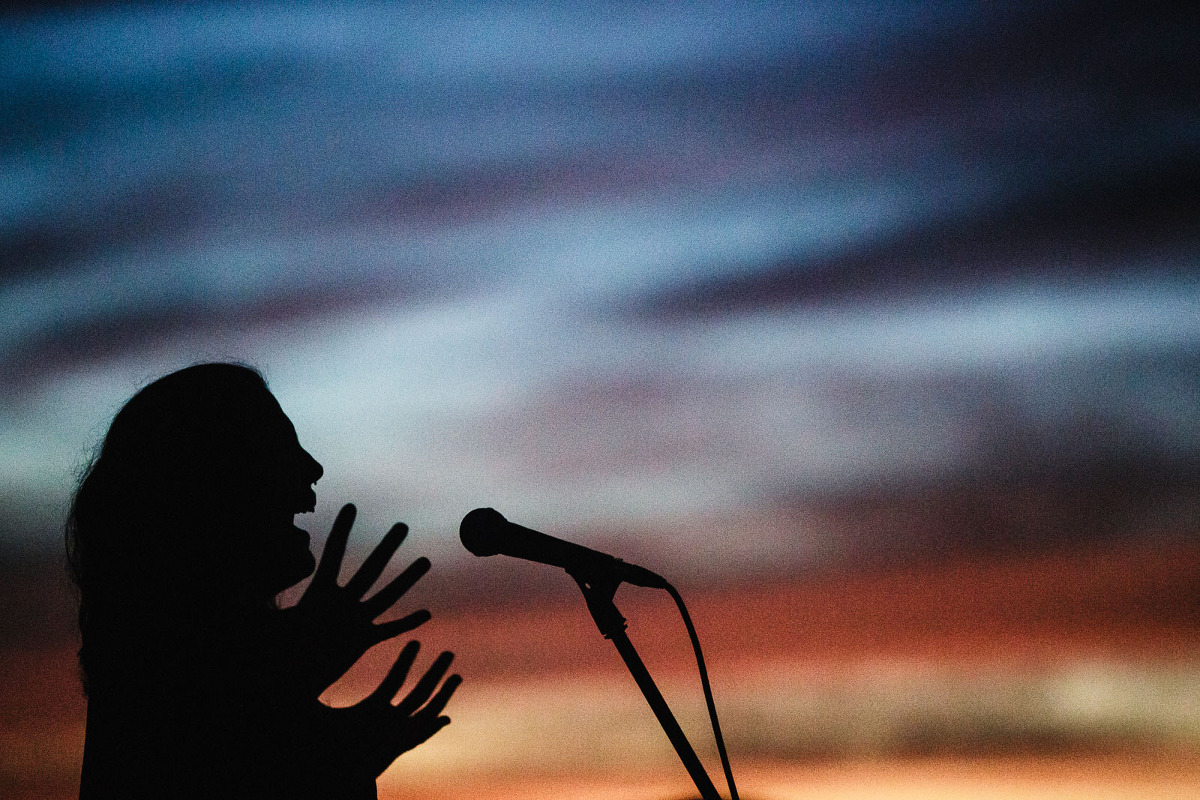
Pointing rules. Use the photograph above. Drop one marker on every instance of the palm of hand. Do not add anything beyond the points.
(374, 732)
(332, 626)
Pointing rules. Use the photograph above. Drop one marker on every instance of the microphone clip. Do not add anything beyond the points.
(598, 593)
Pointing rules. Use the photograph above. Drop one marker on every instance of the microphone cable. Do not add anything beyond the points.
(708, 695)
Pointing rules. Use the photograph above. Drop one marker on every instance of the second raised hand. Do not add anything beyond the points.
(336, 624)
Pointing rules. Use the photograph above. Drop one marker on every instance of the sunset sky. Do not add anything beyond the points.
(753, 294)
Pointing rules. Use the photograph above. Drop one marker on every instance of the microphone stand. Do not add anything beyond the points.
(599, 594)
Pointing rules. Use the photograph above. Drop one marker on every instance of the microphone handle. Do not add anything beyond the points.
(575, 558)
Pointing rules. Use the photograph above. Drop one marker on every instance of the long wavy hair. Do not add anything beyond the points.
(157, 535)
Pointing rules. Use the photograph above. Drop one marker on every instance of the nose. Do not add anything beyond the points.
(312, 468)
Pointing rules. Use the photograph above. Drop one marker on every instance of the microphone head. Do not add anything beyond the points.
(479, 530)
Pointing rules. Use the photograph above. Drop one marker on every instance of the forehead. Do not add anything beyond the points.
(273, 421)
(248, 419)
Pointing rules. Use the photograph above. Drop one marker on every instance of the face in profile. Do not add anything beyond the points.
(194, 494)
(274, 482)
(288, 475)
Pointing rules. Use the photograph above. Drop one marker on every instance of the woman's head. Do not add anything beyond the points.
(189, 502)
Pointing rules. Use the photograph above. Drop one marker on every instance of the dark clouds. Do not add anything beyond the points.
(612, 268)
(1114, 227)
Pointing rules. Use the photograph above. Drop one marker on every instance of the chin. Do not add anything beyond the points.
(294, 568)
(291, 562)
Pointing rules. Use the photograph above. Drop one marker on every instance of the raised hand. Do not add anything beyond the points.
(332, 626)
(373, 733)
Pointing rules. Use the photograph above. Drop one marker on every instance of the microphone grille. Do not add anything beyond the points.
(479, 530)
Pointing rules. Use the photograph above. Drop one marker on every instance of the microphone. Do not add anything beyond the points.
(485, 532)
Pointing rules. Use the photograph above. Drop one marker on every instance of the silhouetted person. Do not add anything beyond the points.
(180, 537)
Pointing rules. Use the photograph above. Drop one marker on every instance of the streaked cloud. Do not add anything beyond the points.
(606, 270)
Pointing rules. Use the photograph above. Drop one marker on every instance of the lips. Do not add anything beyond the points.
(305, 502)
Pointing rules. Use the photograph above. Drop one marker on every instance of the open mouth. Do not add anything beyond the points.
(304, 505)
(305, 502)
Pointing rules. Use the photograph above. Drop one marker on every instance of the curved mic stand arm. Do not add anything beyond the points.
(599, 594)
